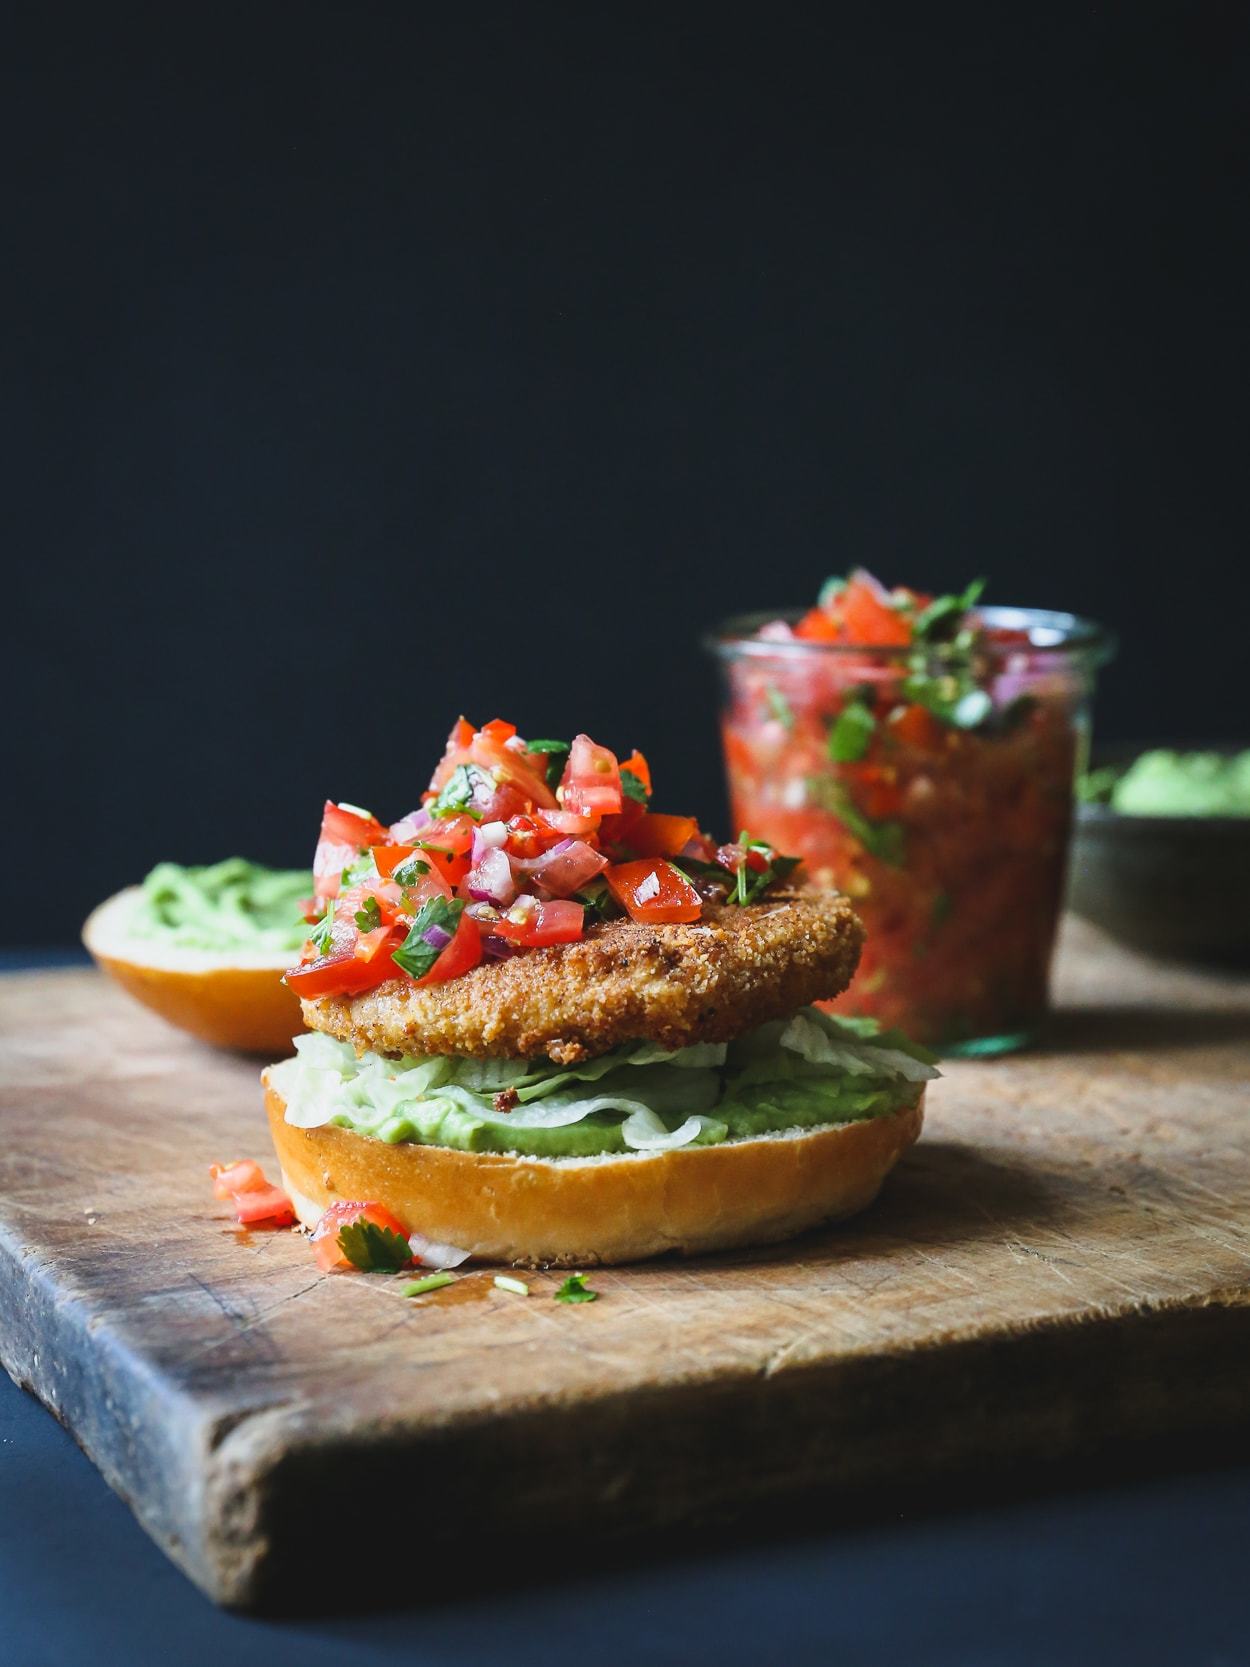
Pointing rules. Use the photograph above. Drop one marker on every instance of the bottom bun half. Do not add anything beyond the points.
(579, 1212)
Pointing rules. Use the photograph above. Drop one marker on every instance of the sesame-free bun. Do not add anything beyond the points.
(577, 1212)
(231, 998)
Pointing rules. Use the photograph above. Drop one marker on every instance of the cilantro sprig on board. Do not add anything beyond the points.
(374, 1249)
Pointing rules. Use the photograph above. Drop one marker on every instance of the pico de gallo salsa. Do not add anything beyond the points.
(516, 845)
(919, 753)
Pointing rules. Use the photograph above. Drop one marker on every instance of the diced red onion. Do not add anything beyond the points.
(436, 936)
(491, 880)
(488, 836)
(496, 948)
(566, 868)
(406, 829)
(693, 848)
(483, 912)
(535, 865)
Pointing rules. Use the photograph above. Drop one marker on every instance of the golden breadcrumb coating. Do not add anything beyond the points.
(673, 985)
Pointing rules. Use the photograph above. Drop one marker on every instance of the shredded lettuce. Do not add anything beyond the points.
(811, 1070)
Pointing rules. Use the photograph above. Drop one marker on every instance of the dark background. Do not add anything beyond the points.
(372, 362)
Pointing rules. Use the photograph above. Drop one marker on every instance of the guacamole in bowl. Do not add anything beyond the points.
(1161, 851)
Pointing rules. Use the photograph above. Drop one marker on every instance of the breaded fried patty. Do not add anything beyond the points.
(705, 982)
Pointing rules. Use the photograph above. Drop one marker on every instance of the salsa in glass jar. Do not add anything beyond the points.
(919, 752)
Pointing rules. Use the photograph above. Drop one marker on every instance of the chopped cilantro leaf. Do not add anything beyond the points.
(410, 871)
(598, 901)
(887, 841)
(369, 917)
(951, 697)
(830, 591)
(557, 752)
(415, 955)
(457, 794)
(362, 869)
(783, 867)
(374, 1249)
(749, 883)
(632, 787)
(319, 937)
(779, 706)
(940, 617)
(575, 1289)
(852, 733)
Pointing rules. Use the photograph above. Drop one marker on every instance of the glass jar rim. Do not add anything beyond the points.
(1049, 632)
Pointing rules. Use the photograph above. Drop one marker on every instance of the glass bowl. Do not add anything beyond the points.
(942, 804)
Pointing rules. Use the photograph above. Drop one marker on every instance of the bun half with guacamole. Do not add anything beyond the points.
(552, 1026)
(207, 947)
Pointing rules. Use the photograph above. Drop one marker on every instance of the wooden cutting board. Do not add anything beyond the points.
(1063, 1261)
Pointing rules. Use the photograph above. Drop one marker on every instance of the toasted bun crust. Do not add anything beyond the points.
(233, 1000)
(579, 1212)
(707, 981)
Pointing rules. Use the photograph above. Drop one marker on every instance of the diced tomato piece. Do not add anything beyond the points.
(566, 824)
(255, 1199)
(915, 726)
(653, 891)
(446, 845)
(244, 1175)
(325, 1237)
(345, 827)
(530, 924)
(653, 835)
(877, 793)
(498, 730)
(868, 617)
(309, 910)
(616, 832)
(264, 1204)
(344, 834)
(328, 865)
(819, 625)
(527, 838)
(591, 784)
(449, 834)
(637, 765)
(458, 743)
(558, 921)
(355, 967)
(461, 955)
(387, 858)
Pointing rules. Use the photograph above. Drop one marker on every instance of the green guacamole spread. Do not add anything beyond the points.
(1164, 783)
(799, 1073)
(231, 905)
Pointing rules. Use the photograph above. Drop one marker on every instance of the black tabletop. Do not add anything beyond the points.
(1140, 1571)
(1149, 1567)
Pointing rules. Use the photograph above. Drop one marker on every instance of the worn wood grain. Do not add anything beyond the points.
(1063, 1261)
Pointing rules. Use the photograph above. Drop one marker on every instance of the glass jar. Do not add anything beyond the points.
(934, 787)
